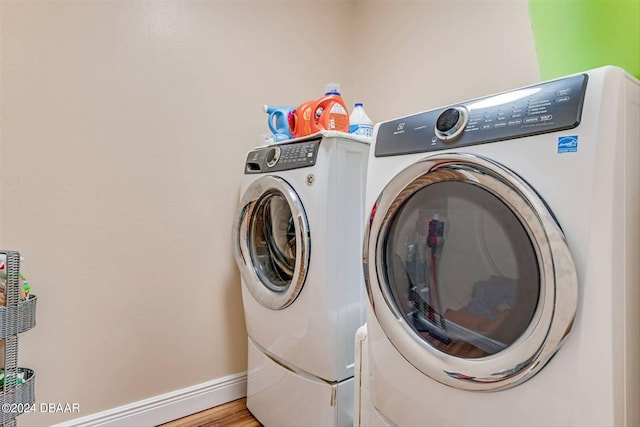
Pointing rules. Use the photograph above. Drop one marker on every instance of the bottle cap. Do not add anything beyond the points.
(332, 89)
(358, 104)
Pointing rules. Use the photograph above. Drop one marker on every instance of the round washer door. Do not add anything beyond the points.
(272, 242)
(468, 272)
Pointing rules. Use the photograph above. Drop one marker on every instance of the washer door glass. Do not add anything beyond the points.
(461, 269)
(468, 273)
(273, 241)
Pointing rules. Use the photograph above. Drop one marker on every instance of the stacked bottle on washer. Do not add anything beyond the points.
(359, 121)
(331, 111)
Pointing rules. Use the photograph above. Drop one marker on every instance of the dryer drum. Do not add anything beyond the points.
(278, 234)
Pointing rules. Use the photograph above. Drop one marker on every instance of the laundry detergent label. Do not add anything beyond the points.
(568, 144)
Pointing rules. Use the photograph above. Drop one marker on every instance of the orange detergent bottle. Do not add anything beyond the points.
(300, 122)
(330, 111)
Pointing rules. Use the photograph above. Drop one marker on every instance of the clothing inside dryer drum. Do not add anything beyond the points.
(273, 242)
(461, 269)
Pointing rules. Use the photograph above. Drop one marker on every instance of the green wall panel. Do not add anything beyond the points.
(576, 35)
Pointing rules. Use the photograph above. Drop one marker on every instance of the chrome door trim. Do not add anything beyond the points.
(554, 315)
(259, 189)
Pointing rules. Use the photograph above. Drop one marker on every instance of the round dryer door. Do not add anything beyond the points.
(468, 272)
(272, 242)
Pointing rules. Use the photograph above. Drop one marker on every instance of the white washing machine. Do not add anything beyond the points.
(502, 258)
(299, 234)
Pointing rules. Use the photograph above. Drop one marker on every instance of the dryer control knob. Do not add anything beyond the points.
(273, 155)
(451, 122)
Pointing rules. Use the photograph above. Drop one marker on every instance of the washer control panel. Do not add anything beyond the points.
(542, 108)
(283, 156)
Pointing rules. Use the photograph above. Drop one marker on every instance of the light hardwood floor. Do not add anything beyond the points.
(230, 414)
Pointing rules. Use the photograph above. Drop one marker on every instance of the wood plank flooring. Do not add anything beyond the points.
(230, 414)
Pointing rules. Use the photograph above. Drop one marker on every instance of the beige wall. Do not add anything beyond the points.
(418, 55)
(123, 130)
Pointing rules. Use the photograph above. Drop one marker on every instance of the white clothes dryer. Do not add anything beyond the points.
(298, 237)
(501, 258)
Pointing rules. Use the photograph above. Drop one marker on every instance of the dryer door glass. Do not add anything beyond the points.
(468, 273)
(273, 241)
(461, 269)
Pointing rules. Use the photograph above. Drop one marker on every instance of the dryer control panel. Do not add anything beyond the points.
(542, 108)
(283, 156)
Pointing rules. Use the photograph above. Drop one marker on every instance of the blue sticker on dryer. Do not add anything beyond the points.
(568, 144)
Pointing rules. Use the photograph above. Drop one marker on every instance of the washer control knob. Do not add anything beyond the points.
(451, 122)
(273, 155)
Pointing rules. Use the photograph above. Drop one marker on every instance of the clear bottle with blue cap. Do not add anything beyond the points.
(359, 121)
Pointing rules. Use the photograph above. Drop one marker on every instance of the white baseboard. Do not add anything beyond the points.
(170, 406)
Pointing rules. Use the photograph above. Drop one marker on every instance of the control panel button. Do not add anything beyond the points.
(273, 155)
(451, 122)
